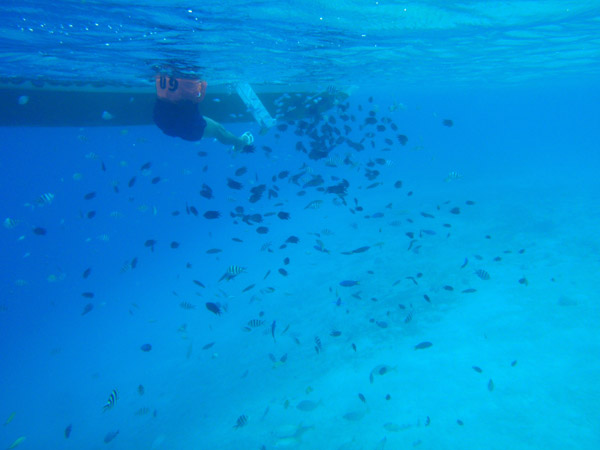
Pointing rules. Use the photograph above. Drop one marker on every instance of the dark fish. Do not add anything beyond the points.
(39, 231)
(91, 214)
(68, 431)
(146, 347)
(361, 249)
(427, 215)
(89, 196)
(490, 385)
(150, 243)
(362, 398)
(318, 344)
(194, 211)
(292, 240)
(335, 333)
(207, 346)
(87, 294)
(146, 166)
(469, 291)
(174, 244)
(155, 180)
(241, 171)
(141, 389)
(348, 283)
(398, 184)
(448, 288)
(477, 369)
(213, 308)
(112, 400)
(234, 184)
(447, 122)
(283, 215)
(464, 264)
(131, 182)
(212, 214)
(206, 191)
(198, 283)
(455, 210)
(134, 262)
(87, 308)
(460, 422)
(240, 422)
(283, 272)
(423, 345)
(262, 230)
(286, 261)
(247, 288)
(402, 139)
(273, 325)
(212, 251)
(110, 436)
(86, 272)
(255, 323)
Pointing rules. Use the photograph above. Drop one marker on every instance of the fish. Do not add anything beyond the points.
(477, 369)
(235, 270)
(45, 199)
(112, 400)
(455, 210)
(86, 272)
(88, 294)
(349, 283)
(452, 176)
(247, 288)
(482, 274)
(214, 308)
(241, 171)
(39, 231)
(447, 122)
(141, 389)
(89, 196)
(255, 323)
(146, 347)
(273, 325)
(234, 184)
(213, 251)
(10, 223)
(212, 214)
(490, 385)
(187, 305)
(241, 421)
(110, 436)
(68, 431)
(335, 333)
(464, 264)
(16, 443)
(423, 345)
(155, 180)
(10, 418)
(469, 291)
(207, 346)
(315, 204)
(206, 191)
(362, 398)
(131, 182)
(87, 308)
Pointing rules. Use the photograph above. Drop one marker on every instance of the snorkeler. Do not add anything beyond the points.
(177, 114)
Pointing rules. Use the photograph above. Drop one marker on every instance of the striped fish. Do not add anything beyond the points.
(187, 305)
(44, 199)
(482, 274)
(112, 400)
(315, 204)
(10, 223)
(241, 421)
(255, 323)
(235, 270)
(452, 176)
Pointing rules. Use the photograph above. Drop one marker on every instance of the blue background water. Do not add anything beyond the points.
(527, 153)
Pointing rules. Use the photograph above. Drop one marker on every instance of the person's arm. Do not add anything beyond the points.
(216, 130)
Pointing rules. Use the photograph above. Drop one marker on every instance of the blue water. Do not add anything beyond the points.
(525, 151)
